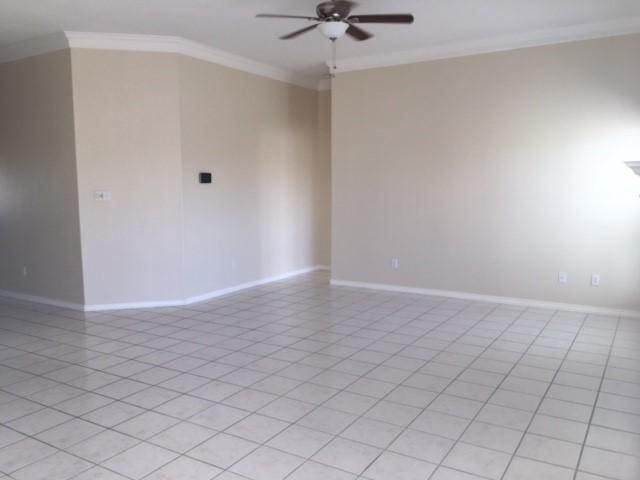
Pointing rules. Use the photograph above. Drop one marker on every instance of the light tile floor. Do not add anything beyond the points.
(304, 381)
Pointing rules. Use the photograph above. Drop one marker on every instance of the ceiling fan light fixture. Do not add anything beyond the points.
(333, 29)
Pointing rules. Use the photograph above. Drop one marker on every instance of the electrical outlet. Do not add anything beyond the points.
(25, 271)
(595, 280)
(563, 277)
(395, 263)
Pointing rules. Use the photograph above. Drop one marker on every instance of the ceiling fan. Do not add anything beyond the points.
(334, 19)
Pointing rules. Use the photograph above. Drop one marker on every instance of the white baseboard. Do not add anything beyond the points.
(160, 303)
(255, 283)
(202, 297)
(101, 307)
(524, 302)
(42, 300)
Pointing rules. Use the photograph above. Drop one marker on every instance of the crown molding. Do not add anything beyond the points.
(494, 44)
(171, 44)
(150, 43)
(182, 46)
(34, 46)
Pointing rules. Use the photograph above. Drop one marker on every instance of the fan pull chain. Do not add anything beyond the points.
(334, 65)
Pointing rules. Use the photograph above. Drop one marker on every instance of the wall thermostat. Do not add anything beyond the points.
(205, 177)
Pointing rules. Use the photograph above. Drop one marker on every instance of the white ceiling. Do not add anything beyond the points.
(230, 24)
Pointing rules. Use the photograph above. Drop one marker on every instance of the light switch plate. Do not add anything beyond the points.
(102, 196)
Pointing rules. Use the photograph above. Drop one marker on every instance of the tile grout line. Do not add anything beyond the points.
(370, 323)
(595, 403)
(412, 373)
(496, 388)
(544, 396)
(141, 441)
(316, 406)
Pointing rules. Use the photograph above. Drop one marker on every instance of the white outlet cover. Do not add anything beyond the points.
(595, 280)
(563, 277)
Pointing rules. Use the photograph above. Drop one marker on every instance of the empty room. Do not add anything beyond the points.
(319, 240)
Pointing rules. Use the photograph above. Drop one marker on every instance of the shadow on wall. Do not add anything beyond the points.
(285, 201)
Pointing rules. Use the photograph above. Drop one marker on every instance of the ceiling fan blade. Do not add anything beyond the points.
(383, 18)
(358, 33)
(277, 15)
(298, 32)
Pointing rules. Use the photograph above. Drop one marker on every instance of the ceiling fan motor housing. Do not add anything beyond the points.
(334, 10)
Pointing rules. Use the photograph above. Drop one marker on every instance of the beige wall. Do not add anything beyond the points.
(146, 124)
(38, 190)
(127, 122)
(322, 183)
(492, 173)
(261, 216)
